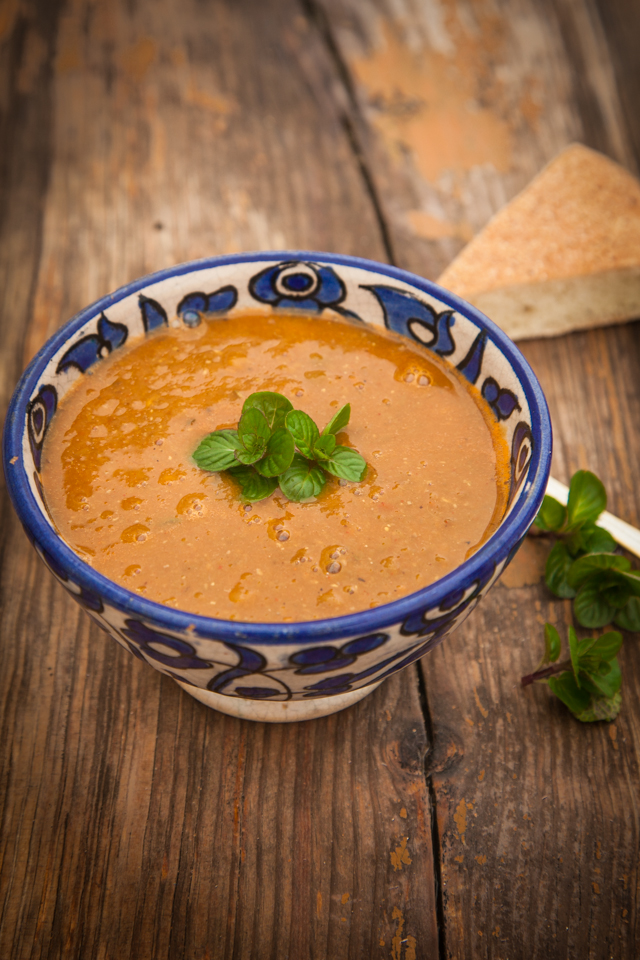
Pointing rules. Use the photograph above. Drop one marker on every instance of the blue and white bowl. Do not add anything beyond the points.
(288, 671)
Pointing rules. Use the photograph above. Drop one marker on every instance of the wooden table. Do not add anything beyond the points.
(450, 814)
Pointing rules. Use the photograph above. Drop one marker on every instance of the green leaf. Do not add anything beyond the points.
(552, 643)
(279, 453)
(253, 431)
(339, 421)
(324, 447)
(273, 407)
(303, 430)
(566, 689)
(303, 479)
(615, 589)
(603, 684)
(590, 607)
(605, 646)
(587, 498)
(597, 540)
(217, 451)
(601, 708)
(556, 570)
(596, 563)
(573, 653)
(629, 616)
(346, 464)
(551, 515)
(253, 486)
(632, 579)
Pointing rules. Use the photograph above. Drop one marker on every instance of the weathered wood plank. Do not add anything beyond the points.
(537, 815)
(461, 102)
(136, 823)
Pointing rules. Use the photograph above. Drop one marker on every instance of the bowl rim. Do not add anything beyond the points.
(370, 620)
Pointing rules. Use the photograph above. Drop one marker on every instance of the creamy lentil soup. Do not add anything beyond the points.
(126, 495)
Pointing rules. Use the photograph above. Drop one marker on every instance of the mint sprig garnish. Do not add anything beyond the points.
(275, 445)
(588, 681)
(582, 565)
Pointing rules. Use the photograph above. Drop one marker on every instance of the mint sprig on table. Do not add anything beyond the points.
(276, 445)
(588, 682)
(582, 565)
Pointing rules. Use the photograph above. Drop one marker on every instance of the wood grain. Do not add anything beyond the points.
(137, 823)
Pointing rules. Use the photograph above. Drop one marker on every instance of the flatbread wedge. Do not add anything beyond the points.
(562, 255)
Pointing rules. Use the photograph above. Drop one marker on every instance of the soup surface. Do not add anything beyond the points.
(124, 492)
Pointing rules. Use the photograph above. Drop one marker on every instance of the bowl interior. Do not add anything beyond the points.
(314, 282)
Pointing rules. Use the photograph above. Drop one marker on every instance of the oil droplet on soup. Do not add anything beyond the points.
(130, 500)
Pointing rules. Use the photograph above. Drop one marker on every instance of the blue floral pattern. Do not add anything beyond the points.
(406, 314)
(300, 285)
(153, 313)
(86, 351)
(193, 305)
(39, 413)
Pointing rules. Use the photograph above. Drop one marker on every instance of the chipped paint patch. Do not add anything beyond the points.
(441, 107)
(400, 855)
(460, 818)
(398, 940)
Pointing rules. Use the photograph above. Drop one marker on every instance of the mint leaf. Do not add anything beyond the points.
(567, 690)
(632, 579)
(253, 430)
(303, 430)
(273, 407)
(346, 464)
(323, 447)
(590, 607)
(597, 540)
(253, 486)
(604, 684)
(279, 454)
(552, 643)
(217, 451)
(552, 514)
(557, 569)
(592, 563)
(600, 708)
(303, 479)
(628, 618)
(587, 498)
(339, 421)
(605, 646)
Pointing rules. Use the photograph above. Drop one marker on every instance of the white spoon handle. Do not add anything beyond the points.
(623, 533)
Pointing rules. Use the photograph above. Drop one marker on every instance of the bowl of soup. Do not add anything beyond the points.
(278, 610)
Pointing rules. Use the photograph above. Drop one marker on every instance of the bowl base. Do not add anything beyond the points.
(270, 711)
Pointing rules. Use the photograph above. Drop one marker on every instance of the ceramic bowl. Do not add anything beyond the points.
(288, 671)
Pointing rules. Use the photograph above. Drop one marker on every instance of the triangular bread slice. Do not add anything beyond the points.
(562, 255)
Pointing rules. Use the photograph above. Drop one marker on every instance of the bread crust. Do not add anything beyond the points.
(580, 216)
